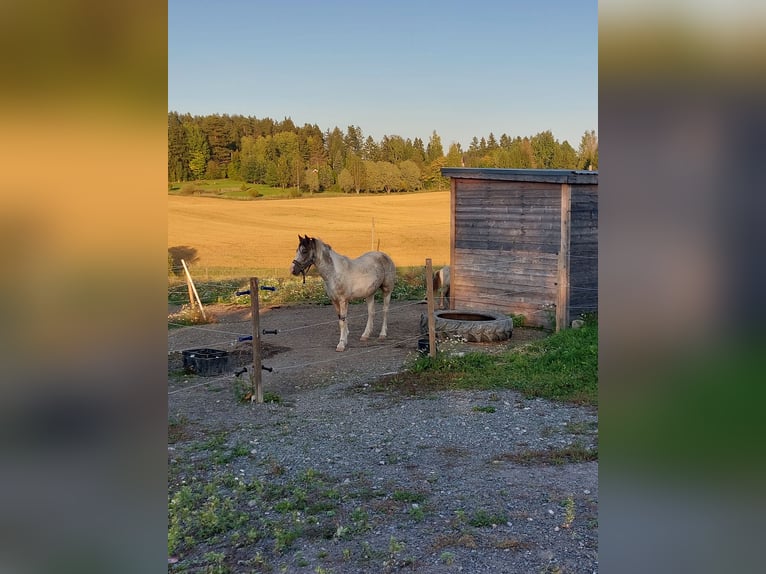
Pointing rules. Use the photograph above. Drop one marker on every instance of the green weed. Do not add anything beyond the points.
(484, 519)
(408, 496)
(484, 409)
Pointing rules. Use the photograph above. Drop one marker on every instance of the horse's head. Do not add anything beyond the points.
(305, 256)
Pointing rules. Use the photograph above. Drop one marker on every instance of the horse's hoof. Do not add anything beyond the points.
(382, 338)
(340, 348)
(364, 338)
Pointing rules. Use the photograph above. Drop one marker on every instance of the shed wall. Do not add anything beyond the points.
(506, 238)
(583, 265)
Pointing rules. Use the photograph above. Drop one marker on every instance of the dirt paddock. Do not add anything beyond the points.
(460, 454)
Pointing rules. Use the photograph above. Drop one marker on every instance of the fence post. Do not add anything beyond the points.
(255, 375)
(192, 288)
(430, 300)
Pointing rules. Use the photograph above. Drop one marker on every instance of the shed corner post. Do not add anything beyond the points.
(452, 238)
(562, 298)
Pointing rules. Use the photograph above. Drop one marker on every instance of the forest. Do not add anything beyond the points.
(281, 154)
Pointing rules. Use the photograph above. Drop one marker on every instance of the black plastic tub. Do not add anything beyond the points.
(205, 362)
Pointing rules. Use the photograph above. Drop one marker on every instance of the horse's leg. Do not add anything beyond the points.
(386, 301)
(370, 316)
(342, 308)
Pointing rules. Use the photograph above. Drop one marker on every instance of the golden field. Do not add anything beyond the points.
(233, 236)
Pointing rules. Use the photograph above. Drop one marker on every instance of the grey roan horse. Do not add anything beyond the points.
(441, 286)
(346, 279)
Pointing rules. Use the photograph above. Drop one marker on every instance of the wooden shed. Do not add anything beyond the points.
(525, 242)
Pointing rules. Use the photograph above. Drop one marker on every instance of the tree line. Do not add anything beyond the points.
(281, 154)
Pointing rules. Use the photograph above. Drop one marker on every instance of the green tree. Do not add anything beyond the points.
(253, 162)
(311, 179)
(525, 154)
(213, 170)
(393, 149)
(544, 149)
(355, 167)
(588, 152)
(336, 149)
(346, 181)
(370, 150)
(232, 170)
(199, 150)
(354, 139)
(390, 176)
(432, 176)
(434, 150)
(178, 150)
(454, 156)
(326, 177)
(410, 173)
(218, 133)
(419, 152)
(566, 156)
(373, 176)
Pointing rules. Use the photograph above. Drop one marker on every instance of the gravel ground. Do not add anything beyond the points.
(436, 482)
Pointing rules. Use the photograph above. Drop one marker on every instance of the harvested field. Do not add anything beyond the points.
(262, 234)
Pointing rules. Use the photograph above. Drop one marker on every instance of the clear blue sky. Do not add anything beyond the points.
(391, 67)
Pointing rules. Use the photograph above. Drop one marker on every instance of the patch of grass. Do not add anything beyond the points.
(209, 290)
(189, 316)
(511, 544)
(483, 409)
(178, 428)
(569, 512)
(484, 519)
(456, 540)
(408, 496)
(563, 366)
(416, 512)
(565, 455)
(581, 427)
(196, 514)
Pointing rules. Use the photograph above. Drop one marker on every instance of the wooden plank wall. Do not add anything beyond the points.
(506, 237)
(583, 248)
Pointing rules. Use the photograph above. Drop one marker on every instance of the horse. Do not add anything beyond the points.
(345, 279)
(441, 286)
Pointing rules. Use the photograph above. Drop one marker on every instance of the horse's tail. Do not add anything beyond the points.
(437, 280)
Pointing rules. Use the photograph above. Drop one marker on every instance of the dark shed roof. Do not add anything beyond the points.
(534, 175)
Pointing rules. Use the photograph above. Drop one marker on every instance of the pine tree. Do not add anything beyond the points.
(199, 150)
(434, 150)
(178, 150)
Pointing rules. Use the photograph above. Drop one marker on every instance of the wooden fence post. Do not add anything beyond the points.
(430, 301)
(255, 375)
(193, 289)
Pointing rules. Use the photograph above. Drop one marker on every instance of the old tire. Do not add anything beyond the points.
(473, 326)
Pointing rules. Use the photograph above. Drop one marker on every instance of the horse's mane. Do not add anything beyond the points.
(324, 250)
